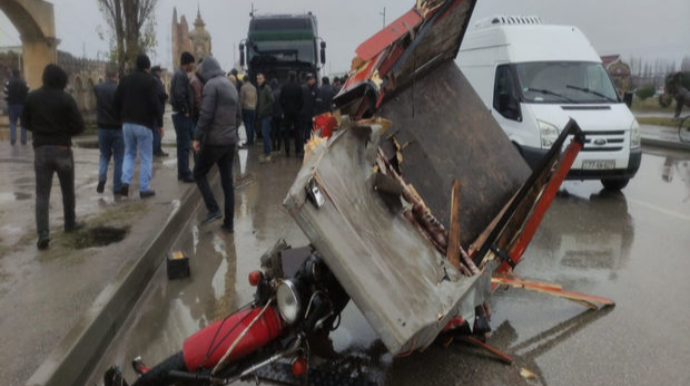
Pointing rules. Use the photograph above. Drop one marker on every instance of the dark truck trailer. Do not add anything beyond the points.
(279, 44)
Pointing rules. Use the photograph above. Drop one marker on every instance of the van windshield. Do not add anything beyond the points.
(565, 82)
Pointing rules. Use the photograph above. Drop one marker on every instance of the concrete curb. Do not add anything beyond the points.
(647, 141)
(75, 357)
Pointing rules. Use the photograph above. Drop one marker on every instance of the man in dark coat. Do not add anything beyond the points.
(52, 116)
(181, 101)
(291, 102)
(140, 110)
(110, 141)
(16, 91)
(277, 120)
(324, 97)
(264, 114)
(156, 71)
(309, 91)
(215, 140)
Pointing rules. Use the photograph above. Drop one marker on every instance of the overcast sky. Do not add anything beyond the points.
(651, 29)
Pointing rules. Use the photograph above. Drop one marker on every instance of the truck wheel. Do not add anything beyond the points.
(615, 185)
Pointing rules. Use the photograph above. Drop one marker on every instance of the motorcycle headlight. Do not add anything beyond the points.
(289, 303)
(549, 134)
(635, 135)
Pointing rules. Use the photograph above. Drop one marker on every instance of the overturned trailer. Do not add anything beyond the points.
(417, 201)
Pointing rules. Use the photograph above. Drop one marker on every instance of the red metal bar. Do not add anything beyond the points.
(389, 35)
(542, 206)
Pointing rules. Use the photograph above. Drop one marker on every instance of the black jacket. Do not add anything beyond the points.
(50, 113)
(136, 100)
(324, 99)
(309, 97)
(16, 91)
(107, 116)
(181, 93)
(291, 99)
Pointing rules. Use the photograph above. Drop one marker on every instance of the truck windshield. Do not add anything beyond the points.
(283, 51)
(565, 82)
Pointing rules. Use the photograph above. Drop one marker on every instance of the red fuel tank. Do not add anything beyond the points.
(205, 348)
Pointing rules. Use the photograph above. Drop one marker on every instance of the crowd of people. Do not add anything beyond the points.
(208, 107)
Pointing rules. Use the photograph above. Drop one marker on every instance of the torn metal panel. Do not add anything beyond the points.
(393, 275)
(451, 135)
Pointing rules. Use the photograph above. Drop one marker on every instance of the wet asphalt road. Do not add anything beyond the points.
(632, 247)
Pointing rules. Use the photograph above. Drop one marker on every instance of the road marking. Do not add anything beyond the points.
(660, 209)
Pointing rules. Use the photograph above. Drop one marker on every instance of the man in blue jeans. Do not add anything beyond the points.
(136, 99)
(16, 91)
(110, 141)
(181, 101)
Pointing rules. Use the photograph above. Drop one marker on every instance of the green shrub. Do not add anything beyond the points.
(645, 92)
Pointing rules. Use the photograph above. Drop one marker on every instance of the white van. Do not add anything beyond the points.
(535, 77)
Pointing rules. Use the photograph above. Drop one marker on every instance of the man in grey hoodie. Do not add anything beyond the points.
(215, 140)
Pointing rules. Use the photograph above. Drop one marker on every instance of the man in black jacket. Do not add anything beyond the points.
(110, 142)
(309, 91)
(181, 101)
(136, 100)
(291, 102)
(163, 97)
(15, 95)
(52, 116)
(324, 97)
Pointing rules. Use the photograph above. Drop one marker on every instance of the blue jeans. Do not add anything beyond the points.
(111, 144)
(266, 133)
(249, 119)
(185, 132)
(14, 112)
(137, 136)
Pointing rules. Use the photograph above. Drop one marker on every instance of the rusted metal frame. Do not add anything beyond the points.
(453, 253)
(544, 168)
(449, 10)
(500, 355)
(589, 301)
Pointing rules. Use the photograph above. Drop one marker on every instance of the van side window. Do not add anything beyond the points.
(505, 98)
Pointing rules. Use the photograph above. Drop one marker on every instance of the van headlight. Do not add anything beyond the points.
(635, 135)
(549, 134)
(289, 303)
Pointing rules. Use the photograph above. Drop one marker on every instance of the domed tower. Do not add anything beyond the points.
(201, 39)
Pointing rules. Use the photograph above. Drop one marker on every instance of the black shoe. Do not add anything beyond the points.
(43, 243)
(161, 154)
(74, 227)
(124, 192)
(13, 143)
(147, 194)
(229, 229)
(101, 187)
(211, 218)
(187, 180)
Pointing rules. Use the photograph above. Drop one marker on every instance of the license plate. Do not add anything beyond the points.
(598, 165)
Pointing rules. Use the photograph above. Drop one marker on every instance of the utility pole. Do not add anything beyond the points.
(384, 16)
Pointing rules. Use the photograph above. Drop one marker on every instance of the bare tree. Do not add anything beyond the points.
(126, 20)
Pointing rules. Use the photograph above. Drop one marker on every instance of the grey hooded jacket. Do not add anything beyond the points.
(220, 109)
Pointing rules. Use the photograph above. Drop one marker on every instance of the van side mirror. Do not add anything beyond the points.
(323, 52)
(508, 106)
(628, 99)
(243, 60)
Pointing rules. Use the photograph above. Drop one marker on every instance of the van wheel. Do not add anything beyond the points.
(615, 185)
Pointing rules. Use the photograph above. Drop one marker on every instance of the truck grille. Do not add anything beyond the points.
(604, 141)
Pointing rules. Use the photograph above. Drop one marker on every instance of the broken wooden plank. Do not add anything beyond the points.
(453, 252)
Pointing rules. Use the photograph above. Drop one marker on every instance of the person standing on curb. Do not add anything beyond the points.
(248, 100)
(16, 91)
(215, 140)
(291, 101)
(110, 141)
(163, 98)
(52, 116)
(197, 84)
(136, 100)
(264, 113)
(181, 101)
(324, 97)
